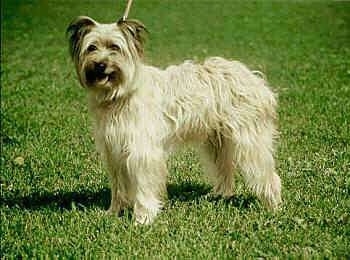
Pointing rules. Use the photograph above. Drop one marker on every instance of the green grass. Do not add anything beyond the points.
(53, 202)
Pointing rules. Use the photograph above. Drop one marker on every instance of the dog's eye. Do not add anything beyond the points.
(115, 47)
(91, 48)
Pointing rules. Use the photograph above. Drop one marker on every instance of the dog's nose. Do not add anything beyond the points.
(100, 67)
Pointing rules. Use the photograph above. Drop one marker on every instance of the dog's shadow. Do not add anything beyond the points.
(85, 199)
(60, 200)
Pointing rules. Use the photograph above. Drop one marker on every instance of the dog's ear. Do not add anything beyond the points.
(135, 31)
(76, 31)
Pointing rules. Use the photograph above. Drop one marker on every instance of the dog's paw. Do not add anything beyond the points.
(145, 216)
(114, 210)
(270, 193)
(143, 220)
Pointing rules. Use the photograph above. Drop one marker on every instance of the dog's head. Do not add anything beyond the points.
(106, 55)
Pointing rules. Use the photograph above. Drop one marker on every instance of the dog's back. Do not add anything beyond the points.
(216, 96)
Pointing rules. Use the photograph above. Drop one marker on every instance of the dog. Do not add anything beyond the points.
(143, 113)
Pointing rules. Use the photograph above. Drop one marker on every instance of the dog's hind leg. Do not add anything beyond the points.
(254, 156)
(217, 160)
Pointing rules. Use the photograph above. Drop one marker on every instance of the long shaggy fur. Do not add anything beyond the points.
(142, 113)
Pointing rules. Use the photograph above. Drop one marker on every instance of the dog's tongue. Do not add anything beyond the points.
(104, 80)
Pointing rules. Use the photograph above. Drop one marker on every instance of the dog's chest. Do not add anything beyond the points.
(111, 131)
(123, 132)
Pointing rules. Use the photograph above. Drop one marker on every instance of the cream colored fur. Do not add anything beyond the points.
(144, 113)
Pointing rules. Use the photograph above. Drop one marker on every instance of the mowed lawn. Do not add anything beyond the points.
(54, 190)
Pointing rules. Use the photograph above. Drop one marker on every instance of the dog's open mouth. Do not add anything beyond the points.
(103, 75)
(105, 78)
(94, 77)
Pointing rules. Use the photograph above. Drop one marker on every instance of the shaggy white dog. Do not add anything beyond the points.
(142, 113)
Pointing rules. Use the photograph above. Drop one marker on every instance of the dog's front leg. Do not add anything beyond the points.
(149, 171)
(120, 195)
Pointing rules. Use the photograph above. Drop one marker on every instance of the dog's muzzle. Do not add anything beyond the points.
(100, 68)
(99, 73)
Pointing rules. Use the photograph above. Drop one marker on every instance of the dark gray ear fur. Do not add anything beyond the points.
(134, 31)
(76, 31)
